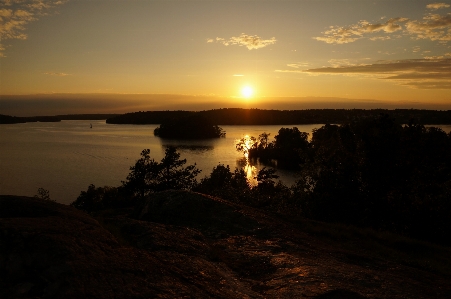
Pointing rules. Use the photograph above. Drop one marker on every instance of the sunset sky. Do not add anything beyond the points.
(89, 56)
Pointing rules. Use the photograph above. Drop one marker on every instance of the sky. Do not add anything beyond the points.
(117, 56)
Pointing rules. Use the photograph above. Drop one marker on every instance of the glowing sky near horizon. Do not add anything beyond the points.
(382, 51)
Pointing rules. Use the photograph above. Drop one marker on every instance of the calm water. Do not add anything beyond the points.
(66, 157)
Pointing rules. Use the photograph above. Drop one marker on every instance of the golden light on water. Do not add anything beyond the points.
(251, 173)
(246, 144)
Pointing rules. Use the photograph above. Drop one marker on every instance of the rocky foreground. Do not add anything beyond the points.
(187, 245)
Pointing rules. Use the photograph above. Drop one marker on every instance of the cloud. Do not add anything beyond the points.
(380, 38)
(298, 65)
(431, 73)
(344, 35)
(434, 27)
(56, 74)
(249, 41)
(16, 14)
(435, 6)
(340, 62)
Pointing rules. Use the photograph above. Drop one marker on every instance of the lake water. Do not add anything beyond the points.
(66, 157)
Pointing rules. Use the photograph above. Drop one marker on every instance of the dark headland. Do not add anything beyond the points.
(179, 244)
(7, 119)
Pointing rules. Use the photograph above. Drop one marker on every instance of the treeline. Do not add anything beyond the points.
(368, 173)
(237, 116)
(85, 116)
(6, 119)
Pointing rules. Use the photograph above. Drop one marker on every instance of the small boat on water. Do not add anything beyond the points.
(91, 126)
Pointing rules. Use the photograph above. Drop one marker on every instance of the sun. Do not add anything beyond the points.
(247, 91)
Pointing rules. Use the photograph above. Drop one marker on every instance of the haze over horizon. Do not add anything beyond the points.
(69, 56)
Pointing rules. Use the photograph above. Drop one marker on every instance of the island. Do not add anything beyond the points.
(189, 127)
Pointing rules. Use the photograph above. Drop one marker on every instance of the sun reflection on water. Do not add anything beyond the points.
(251, 173)
(244, 145)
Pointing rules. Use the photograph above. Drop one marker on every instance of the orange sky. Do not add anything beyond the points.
(123, 56)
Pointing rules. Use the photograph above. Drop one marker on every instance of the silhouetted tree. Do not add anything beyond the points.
(95, 199)
(142, 177)
(290, 148)
(246, 144)
(173, 175)
(43, 194)
(225, 184)
(262, 140)
(149, 176)
(265, 177)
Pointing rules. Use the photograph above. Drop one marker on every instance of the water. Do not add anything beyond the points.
(66, 157)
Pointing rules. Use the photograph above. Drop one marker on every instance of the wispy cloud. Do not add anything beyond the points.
(298, 65)
(380, 38)
(435, 6)
(434, 27)
(340, 62)
(56, 74)
(249, 41)
(15, 15)
(431, 73)
(344, 35)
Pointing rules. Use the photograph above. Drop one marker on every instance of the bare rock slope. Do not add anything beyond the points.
(186, 245)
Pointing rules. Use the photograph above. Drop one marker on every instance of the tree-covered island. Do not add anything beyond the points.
(188, 127)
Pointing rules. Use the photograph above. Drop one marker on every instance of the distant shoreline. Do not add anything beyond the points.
(7, 119)
(239, 116)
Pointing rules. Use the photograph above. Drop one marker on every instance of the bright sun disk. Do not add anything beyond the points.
(247, 91)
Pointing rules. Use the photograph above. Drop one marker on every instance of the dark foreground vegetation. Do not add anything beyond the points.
(238, 116)
(189, 127)
(370, 173)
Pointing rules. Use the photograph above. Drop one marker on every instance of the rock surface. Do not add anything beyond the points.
(186, 245)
